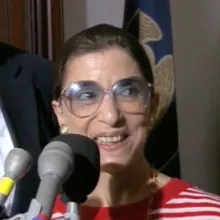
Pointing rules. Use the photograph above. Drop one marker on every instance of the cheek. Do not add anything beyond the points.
(138, 127)
(137, 122)
(75, 125)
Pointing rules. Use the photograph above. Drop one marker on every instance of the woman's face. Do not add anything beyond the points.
(120, 135)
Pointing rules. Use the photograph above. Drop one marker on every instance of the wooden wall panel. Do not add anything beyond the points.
(33, 25)
(17, 23)
(57, 26)
(4, 27)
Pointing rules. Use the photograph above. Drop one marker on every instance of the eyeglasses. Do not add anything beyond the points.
(83, 98)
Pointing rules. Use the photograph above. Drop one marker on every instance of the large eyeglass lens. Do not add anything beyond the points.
(132, 95)
(83, 98)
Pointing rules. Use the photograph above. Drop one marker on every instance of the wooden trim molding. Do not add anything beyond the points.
(33, 25)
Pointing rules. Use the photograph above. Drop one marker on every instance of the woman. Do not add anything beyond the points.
(104, 89)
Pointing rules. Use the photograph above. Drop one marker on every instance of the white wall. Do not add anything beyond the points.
(196, 40)
(80, 14)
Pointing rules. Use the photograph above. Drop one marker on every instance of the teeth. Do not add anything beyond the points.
(108, 140)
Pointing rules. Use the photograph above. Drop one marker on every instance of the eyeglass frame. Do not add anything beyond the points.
(106, 91)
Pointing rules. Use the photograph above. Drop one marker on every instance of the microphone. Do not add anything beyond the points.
(18, 162)
(70, 157)
(85, 175)
(64, 154)
(55, 164)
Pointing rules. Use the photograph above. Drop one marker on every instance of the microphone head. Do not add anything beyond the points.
(57, 158)
(17, 163)
(85, 175)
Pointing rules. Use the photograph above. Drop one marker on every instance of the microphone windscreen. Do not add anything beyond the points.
(57, 159)
(18, 163)
(86, 170)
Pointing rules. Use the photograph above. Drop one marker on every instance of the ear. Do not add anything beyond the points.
(58, 111)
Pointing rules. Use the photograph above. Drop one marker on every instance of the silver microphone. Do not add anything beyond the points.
(55, 164)
(17, 164)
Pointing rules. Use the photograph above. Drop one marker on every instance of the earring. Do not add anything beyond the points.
(63, 129)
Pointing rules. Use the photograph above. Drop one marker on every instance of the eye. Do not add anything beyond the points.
(130, 92)
(86, 96)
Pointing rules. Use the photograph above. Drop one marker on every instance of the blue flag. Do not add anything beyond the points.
(149, 21)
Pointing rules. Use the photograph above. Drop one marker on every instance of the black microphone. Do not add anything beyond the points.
(18, 162)
(85, 175)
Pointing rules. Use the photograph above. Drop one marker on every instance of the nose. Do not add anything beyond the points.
(109, 113)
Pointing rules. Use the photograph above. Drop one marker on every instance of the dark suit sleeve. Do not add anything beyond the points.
(40, 72)
(26, 95)
(42, 82)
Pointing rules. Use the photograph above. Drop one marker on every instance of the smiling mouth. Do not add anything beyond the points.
(110, 140)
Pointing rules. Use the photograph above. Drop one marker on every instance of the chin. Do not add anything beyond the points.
(112, 167)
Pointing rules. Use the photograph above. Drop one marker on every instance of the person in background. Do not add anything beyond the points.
(26, 116)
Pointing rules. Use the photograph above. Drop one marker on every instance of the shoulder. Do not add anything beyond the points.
(33, 65)
(10, 53)
(13, 60)
(29, 68)
(191, 202)
(194, 196)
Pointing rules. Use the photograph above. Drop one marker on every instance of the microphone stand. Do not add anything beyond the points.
(72, 211)
(45, 198)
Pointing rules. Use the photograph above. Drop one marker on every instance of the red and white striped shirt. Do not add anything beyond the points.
(176, 200)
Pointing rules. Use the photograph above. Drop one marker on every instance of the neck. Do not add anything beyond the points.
(119, 188)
